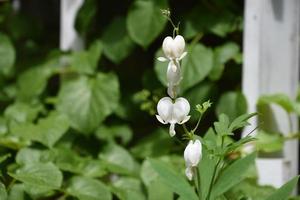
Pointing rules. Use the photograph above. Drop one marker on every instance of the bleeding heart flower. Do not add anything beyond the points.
(173, 49)
(170, 112)
(192, 156)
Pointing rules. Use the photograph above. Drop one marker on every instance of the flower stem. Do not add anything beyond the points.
(215, 172)
(199, 183)
(198, 122)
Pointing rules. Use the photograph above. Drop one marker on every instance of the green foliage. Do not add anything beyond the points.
(175, 181)
(284, 192)
(152, 20)
(88, 189)
(87, 101)
(7, 54)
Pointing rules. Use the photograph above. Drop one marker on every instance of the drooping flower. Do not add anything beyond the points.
(173, 48)
(172, 113)
(192, 156)
(173, 78)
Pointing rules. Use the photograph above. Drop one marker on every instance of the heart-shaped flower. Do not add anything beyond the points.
(172, 113)
(192, 156)
(173, 49)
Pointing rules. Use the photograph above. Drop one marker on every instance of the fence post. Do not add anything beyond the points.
(69, 38)
(271, 65)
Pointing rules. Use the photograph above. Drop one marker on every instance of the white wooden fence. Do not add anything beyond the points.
(271, 65)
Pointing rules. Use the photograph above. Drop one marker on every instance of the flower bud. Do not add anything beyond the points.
(192, 156)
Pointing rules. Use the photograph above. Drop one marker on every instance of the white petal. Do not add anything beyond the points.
(165, 108)
(162, 59)
(172, 130)
(189, 173)
(193, 153)
(181, 110)
(160, 119)
(167, 47)
(185, 119)
(172, 91)
(182, 55)
(179, 45)
(173, 77)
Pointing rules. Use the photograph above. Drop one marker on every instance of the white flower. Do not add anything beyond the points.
(170, 112)
(174, 78)
(173, 50)
(192, 156)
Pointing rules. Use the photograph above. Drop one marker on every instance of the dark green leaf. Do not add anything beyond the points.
(233, 104)
(117, 45)
(85, 16)
(196, 65)
(145, 21)
(127, 188)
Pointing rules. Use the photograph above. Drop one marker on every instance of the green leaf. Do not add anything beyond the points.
(117, 45)
(157, 143)
(241, 121)
(118, 159)
(233, 104)
(232, 175)
(86, 61)
(27, 156)
(67, 160)
(88, 189)
(17, 192)
(7, 55)
(3, 193)
(127, 188)
(222, 54)
(88, 101)
(281, 100)
(173, 180)
(145, 21)
(33, 82)
(122, 132)
(40, 177)
(284, 191)
(22, 112)
(155, 187)
(269, 142)
(85, 16)
(199, 94)
(47, 131)
(196, 65)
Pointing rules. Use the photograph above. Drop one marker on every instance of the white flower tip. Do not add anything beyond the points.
(162, 59)
(189, 173)
(182, 55)
(185, 119)
(160, 119)
(172, 130)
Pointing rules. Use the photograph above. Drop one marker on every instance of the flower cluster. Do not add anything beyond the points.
(172, 110)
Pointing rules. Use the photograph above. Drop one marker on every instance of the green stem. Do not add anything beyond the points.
(198, 122)
(215, 172)
(199, 183)
(185, 129)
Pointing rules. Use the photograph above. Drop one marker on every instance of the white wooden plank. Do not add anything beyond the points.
(69, 38)
(271, 65)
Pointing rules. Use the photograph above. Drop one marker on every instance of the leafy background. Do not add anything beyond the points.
(81, 124)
